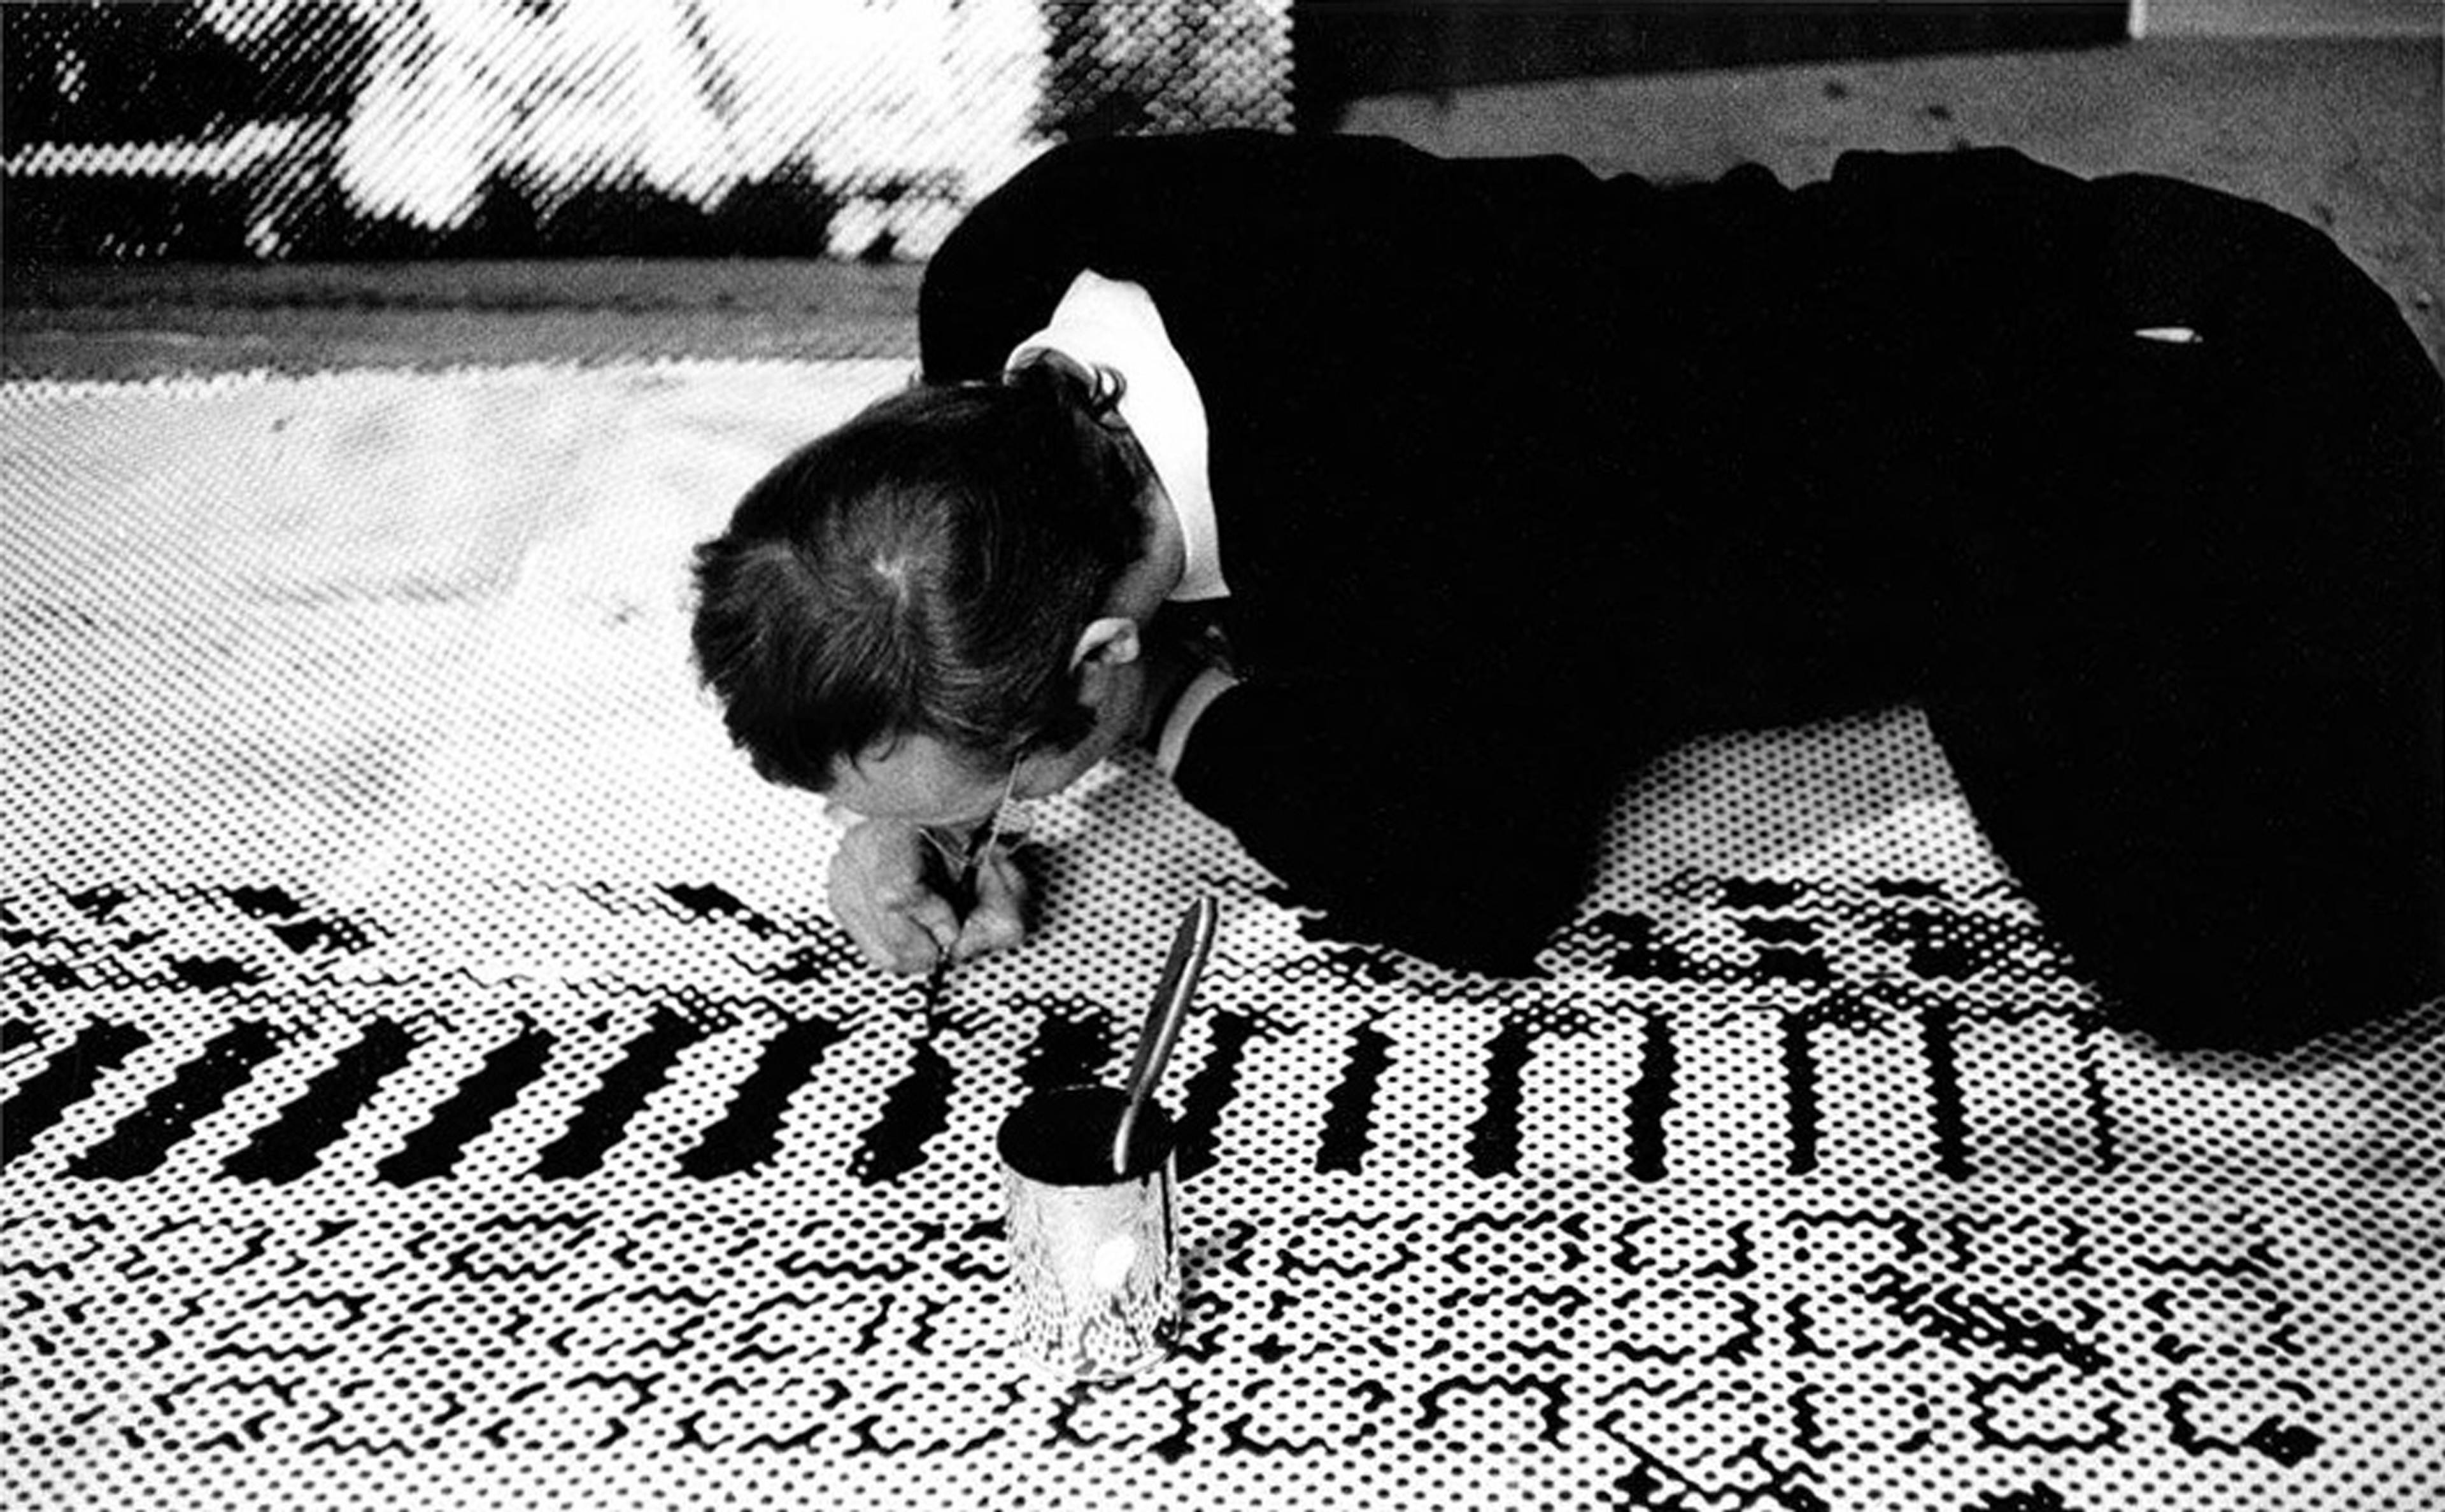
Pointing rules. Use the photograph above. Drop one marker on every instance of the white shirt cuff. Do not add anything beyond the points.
(1207, 686)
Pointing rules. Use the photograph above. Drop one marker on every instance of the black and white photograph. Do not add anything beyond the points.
(1615, 754)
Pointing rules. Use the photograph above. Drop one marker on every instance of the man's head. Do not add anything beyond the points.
(918, 598)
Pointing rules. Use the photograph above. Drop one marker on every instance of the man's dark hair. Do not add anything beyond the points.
(925, 568)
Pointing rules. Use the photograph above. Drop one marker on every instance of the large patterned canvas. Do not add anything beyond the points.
(429, 1076)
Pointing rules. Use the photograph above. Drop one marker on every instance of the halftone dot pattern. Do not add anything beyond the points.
(264, 129)
(429, 1077)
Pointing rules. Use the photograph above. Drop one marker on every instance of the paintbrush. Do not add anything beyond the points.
(959, 886)
(959, 889)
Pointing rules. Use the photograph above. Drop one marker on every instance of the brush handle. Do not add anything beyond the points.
(1191, 944)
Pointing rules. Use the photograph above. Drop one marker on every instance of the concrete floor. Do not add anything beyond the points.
(2346, 134)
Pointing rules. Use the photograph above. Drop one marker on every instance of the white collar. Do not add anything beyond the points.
(1105, 322)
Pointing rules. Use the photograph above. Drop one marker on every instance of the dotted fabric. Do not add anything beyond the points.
(429, 1077)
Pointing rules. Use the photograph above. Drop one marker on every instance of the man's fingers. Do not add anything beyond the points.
(999, 919)
(933, 918)
(879, 894)
(896, 943)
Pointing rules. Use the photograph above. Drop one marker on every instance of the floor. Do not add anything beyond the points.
(2343, 133)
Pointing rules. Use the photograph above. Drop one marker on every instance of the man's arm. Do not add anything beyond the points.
(1462, 835)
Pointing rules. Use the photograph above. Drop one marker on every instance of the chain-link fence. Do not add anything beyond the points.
(300, 129)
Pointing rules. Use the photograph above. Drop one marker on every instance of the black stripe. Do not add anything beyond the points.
(67, 1078)
(1073, 1042)
(749, 1132)
(432, 1150)
(1494, 1139)
(1209, 1091)
(1800, 1088)
(1944, 1091)
(2100, 1110)
(1652, 1098)
(1350, 1108)
(916, 1109)
(145, 1137)
(289, 1147)
(603, 1117)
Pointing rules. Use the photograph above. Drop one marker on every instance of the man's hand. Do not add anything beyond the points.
(881, 894)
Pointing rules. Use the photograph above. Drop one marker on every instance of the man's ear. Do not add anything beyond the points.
(1105, 644)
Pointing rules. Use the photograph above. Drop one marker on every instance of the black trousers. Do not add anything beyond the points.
(2207, 740)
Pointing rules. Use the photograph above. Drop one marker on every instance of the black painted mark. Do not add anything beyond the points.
(302, 935)
(709, 902)
(2286, 1443)
(1573, 1227)
(16, 1033)
(474, 1262)
(2258, 1260)
(826, 1256)
(1799, 1090)
(603, 1116)
(832, 957)
(432, 1151)
(1350, 1108)
(1640, 948)
(1943, 946)
(1315, 923)
(1905, 887)
(2091, 1077)
(749, 1133)
(1209, 1092)
(1780, 963)
(1961, 1319)
(2039, 1497)
(265, 903)
(1550, 1392)
(1740, 1254)
(289, 1147)
(1074, 1041)
(916, 1109)
(1809, 1437)
(1373, 1395)
(1652, 1098)
(353, 1307)
(868, 1441)
(1171, 1448)
(99, 904)
(1944, 1091)
(1494, 1138)
(1774, 931)
(67, 1078)
(215, 974)
(57, 976)
(1739, 893)
(1363, 965)
(1984, 1390)
(145, 1137)
(2275, 1317)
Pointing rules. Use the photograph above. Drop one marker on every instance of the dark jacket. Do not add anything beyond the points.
(1522, 474)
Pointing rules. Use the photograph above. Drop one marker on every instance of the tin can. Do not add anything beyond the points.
(1094, 1253)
